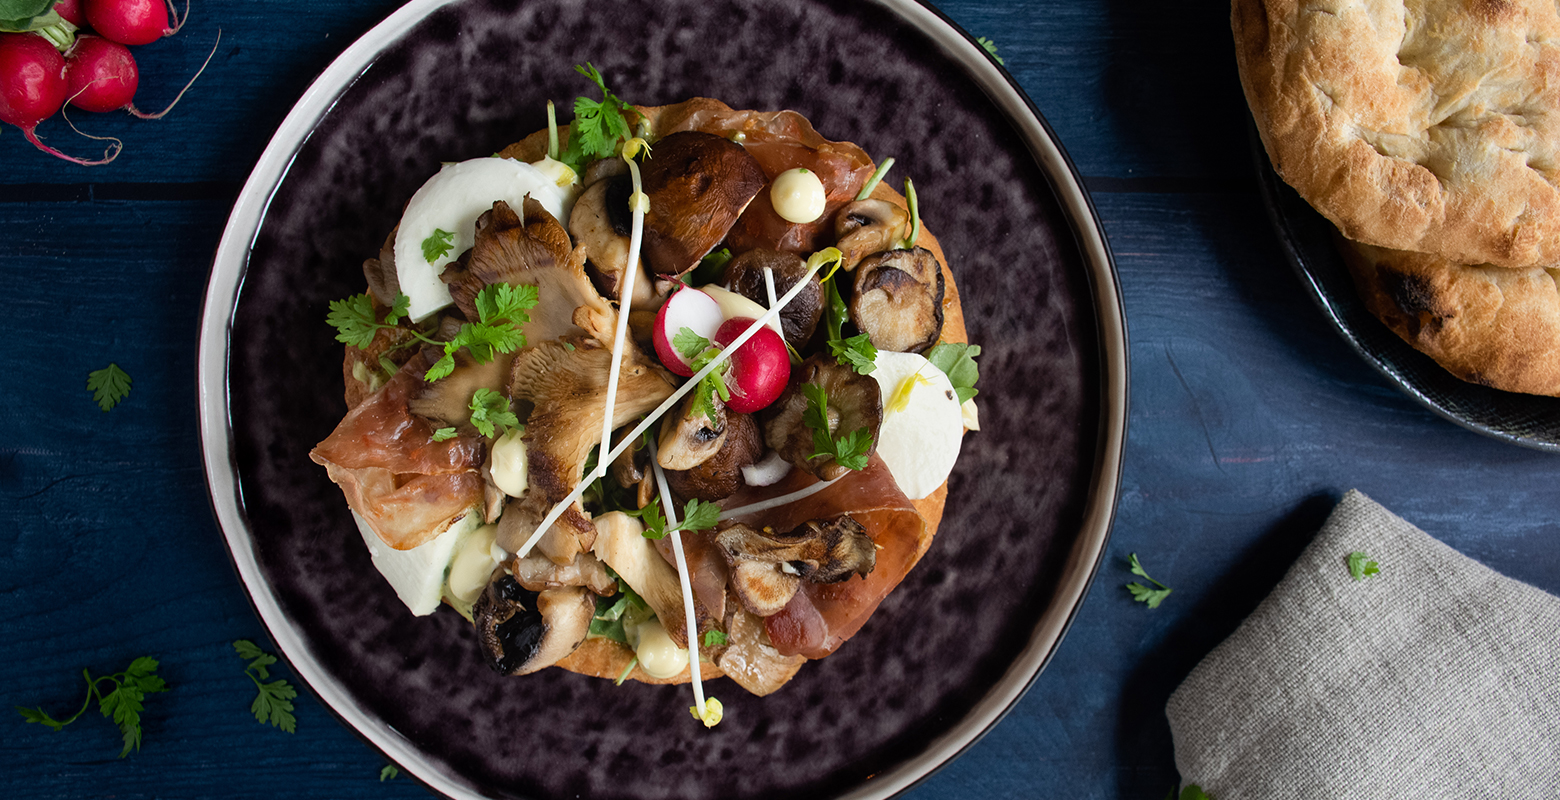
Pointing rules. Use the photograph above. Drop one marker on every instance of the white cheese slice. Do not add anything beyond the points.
(919, 441)
(451, 201)
(418, 574)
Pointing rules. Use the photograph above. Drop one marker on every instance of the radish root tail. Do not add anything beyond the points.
(177, 21)
(109, 154)
(159, 115)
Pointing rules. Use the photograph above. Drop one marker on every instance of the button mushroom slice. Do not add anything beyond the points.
(898, 300)
(751, 659)
(600, 222)
(535, 251)
(855, 402)
(566, 382)
(520, 631)
(689, 438)
(767, 568)
(868, 226)
(745, 276)
(621, 545)
(537, 573)
(698, 185)
(720, 475)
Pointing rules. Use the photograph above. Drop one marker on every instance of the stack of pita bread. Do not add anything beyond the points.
(1427, 131)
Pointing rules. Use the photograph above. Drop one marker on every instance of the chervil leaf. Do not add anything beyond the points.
(124, 705)
(501, 309)
(655, 523)
(856, 352)
(388, 773)
(443, 434)
(991, 47)
(849, 451)
(353, 319)
(490, 412)
(689, 344)
(37, 715)
(247, 649)
(437, 245)
(599, 125)
(273, 700)
(108, 386)
(1195, 792)
(957, 361)
(1144, 594)
(699, 516)
(1360, 566)
(714, 638)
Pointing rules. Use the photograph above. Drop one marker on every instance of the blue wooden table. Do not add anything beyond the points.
(1249, 415)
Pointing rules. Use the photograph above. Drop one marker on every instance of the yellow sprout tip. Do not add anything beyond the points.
(825, 256)
(632, 147)
(901, 399)
(713, 712)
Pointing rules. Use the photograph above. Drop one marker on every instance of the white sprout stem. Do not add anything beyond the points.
(682, 578)
(650, 419)
(625, 297)
(769, 284)
(552, 131)
(776, 502)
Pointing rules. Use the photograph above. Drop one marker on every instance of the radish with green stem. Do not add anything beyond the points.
(134, 21)
(33, 87)
(101, 75)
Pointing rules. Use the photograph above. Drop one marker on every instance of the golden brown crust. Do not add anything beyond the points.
(1428, 126)
(1488, 325)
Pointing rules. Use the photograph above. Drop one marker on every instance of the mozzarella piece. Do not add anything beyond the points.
(923, 422)
(733, 306)
(451, 201)
(417, 575)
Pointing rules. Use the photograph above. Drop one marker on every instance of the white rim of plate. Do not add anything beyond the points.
(227, 275)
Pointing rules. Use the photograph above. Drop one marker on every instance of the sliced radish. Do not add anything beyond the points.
(686, 308)
(735, 306)
(760, 368)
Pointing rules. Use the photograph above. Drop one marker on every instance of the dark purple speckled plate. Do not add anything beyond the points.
(1031, 500)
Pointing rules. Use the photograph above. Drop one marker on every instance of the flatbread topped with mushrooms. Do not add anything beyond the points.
(750, 507)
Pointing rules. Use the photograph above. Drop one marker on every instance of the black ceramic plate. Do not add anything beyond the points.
(1030, 502)
(1307, 237)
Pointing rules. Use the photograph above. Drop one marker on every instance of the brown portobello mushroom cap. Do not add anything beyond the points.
(698, 185)
(745, 276)
(898, 300)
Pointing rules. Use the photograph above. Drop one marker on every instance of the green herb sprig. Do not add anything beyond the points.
(699, 353)
(490, 413)
(108, 386)
(697, 516)
(501, 310)
(273, 702)
(1360, 565)
(1144, 594)
(123, 702)
(437, 245)
(849, 451)
(599, 127)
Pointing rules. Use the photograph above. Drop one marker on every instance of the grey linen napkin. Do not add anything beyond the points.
(1436, 678)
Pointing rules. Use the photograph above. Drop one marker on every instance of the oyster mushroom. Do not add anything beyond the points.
(446, 403)
(767, 568)
(601, 222)
(567, 383)
(898, 300)
(689, 438)
(745, 276)
(720, 475)
(520, 631)
(621, 545)
(868, 226)
(855, 403)
(538, 573)
(698, 185)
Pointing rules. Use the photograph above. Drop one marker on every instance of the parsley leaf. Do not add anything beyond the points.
(443, 434)
(689, 344)
(437, 245)
(856, 352)
(712, 384)
(1145, 594)
(1360, 565)
(490, 412)
(849, 451)
(273, 703)
(991, 47)
(599, 125)
(389, 773)
(714, 638)
(108, 386)
(1194, 792)
(957, 361)
(123, 703)
(501, 310)
(697, 516)
(355, 321)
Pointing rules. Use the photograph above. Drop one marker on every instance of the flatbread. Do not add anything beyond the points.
(1427, 125)
(1493, 326)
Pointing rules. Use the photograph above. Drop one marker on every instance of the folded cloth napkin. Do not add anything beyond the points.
(1434, 678)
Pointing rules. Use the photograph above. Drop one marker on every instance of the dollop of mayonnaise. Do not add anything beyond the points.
(508, 463)
(798, 195)
(659, 656)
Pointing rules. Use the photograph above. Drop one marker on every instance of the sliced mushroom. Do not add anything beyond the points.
(719, 476)
(751, 659)
(601, 222)
(689, 438)
(855, 402)
(521, 631)
(621, 545)
(532, 251)
(538, 573)
(745, 276)
(767, 568)
(698, 185)
(567, 383)
(898, 300)
(868, 226)
(446, 403)
(383, 282)
(628, 469)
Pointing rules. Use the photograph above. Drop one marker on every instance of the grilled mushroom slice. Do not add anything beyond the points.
(855, 403)
(446, 403)
(601, 222)
(866, 227)
(720, 475)
(767, 568)
(898, 300)
(690, 438)
(698, 185)
(520, 632)
(621, 545)
(745, 276)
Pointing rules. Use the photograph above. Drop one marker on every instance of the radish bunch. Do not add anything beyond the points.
(95, 72)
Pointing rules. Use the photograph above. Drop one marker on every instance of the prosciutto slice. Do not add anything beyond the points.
(392, 472)
(821, 617)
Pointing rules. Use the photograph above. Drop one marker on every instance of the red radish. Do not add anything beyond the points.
(101, 76)
(686, 308)
(133, 21)
(760, 368)
(32, 88)
(70, 10)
